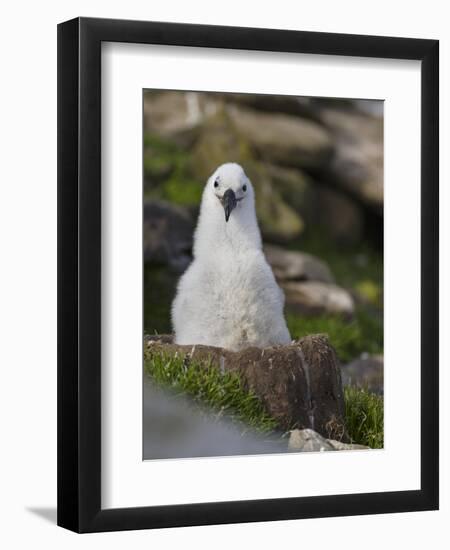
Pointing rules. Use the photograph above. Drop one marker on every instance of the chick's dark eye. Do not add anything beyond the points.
(216, 184)
(244, 188)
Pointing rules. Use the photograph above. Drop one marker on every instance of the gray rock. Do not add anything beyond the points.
(291, 105)
(357, 162)
(294, 185)
(177, 115)
(310, 441)
(290, 265)
(173, 427)
(279, 222)
(372, 107)
(299, 384)
(283, 139)
(315, 297)
(339, 216)
(168, 233)
(366, 372)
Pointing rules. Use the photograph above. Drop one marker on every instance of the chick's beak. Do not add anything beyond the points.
(228, 202)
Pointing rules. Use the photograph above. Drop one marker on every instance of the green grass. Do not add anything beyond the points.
(364, 333)
(223, 393)
(182, 190)
(364, 415)
(167, 173)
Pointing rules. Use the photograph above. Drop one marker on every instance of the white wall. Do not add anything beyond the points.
(28, 268)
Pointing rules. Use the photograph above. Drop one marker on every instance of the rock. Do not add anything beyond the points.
(289, 265)
(173, 427)
(367, 372)
(283, 139)
(287, 104)
(177, 115)
(294, 186)
(299, 384)
(315, 297)
(278, 221)
(168, 233)
(340, 446)
(322, 206)
(310, 441)
(370, 106)
(337, 214)
(218, 143)
(357, 162)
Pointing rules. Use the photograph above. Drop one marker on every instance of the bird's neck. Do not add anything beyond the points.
(215, 236)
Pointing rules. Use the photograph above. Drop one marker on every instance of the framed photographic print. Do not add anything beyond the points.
(248, 275)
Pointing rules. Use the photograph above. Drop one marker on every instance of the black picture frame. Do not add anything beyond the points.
(79, 274)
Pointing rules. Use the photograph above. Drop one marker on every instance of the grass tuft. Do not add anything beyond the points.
(207, 386)
(364, 415)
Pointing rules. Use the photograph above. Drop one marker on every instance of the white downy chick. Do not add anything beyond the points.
(228, 297)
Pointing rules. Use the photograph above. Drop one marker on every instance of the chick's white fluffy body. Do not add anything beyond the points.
(228, 297)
